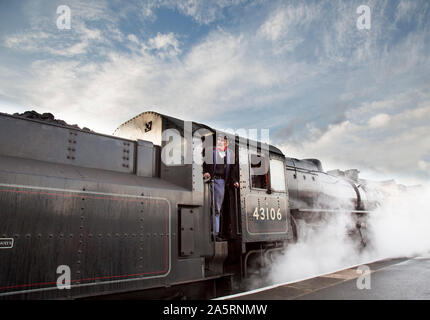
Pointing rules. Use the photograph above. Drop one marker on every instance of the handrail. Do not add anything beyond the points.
(238, 231)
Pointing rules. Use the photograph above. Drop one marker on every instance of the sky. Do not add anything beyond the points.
(326, 89)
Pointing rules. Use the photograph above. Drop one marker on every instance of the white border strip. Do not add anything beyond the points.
(295, 281)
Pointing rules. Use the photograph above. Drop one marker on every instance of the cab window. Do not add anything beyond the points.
(277, 175)
(259, 171)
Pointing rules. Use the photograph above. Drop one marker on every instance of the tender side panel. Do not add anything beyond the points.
(101, 237)
(33, 140)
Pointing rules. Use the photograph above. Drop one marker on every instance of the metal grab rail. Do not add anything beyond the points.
(238, 214)
(211, 192)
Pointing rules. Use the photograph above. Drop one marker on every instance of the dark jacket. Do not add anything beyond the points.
(231, 169)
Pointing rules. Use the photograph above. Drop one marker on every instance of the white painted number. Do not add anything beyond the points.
(263, 214)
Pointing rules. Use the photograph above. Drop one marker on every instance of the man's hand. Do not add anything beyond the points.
(206, 176)
(236, 184)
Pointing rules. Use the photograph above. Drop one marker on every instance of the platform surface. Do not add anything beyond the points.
(403, 278)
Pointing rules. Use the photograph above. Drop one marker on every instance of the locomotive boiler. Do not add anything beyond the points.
(108, 213)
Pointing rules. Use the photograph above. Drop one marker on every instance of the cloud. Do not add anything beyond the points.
(165, 44)
(44, 37)
(369, 144)
(379, 120)
(201, 11)
(282, 26)
(346, 96)
(423, 165)
(133, 38)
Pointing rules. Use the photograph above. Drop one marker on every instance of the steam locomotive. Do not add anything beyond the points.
(107, 216)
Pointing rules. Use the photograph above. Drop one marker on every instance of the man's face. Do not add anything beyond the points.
(221, 143)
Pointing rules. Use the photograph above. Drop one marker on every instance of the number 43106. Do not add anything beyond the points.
(267, 214)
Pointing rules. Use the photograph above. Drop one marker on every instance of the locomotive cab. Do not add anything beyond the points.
(255, 218)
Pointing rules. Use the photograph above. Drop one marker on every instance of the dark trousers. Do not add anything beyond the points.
(218, 196)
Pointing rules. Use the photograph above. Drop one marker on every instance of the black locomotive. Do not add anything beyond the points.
(122, 220)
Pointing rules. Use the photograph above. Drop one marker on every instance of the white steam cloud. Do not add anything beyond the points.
(400, 227)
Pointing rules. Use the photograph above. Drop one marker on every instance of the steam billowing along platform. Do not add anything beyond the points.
(390, 279)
